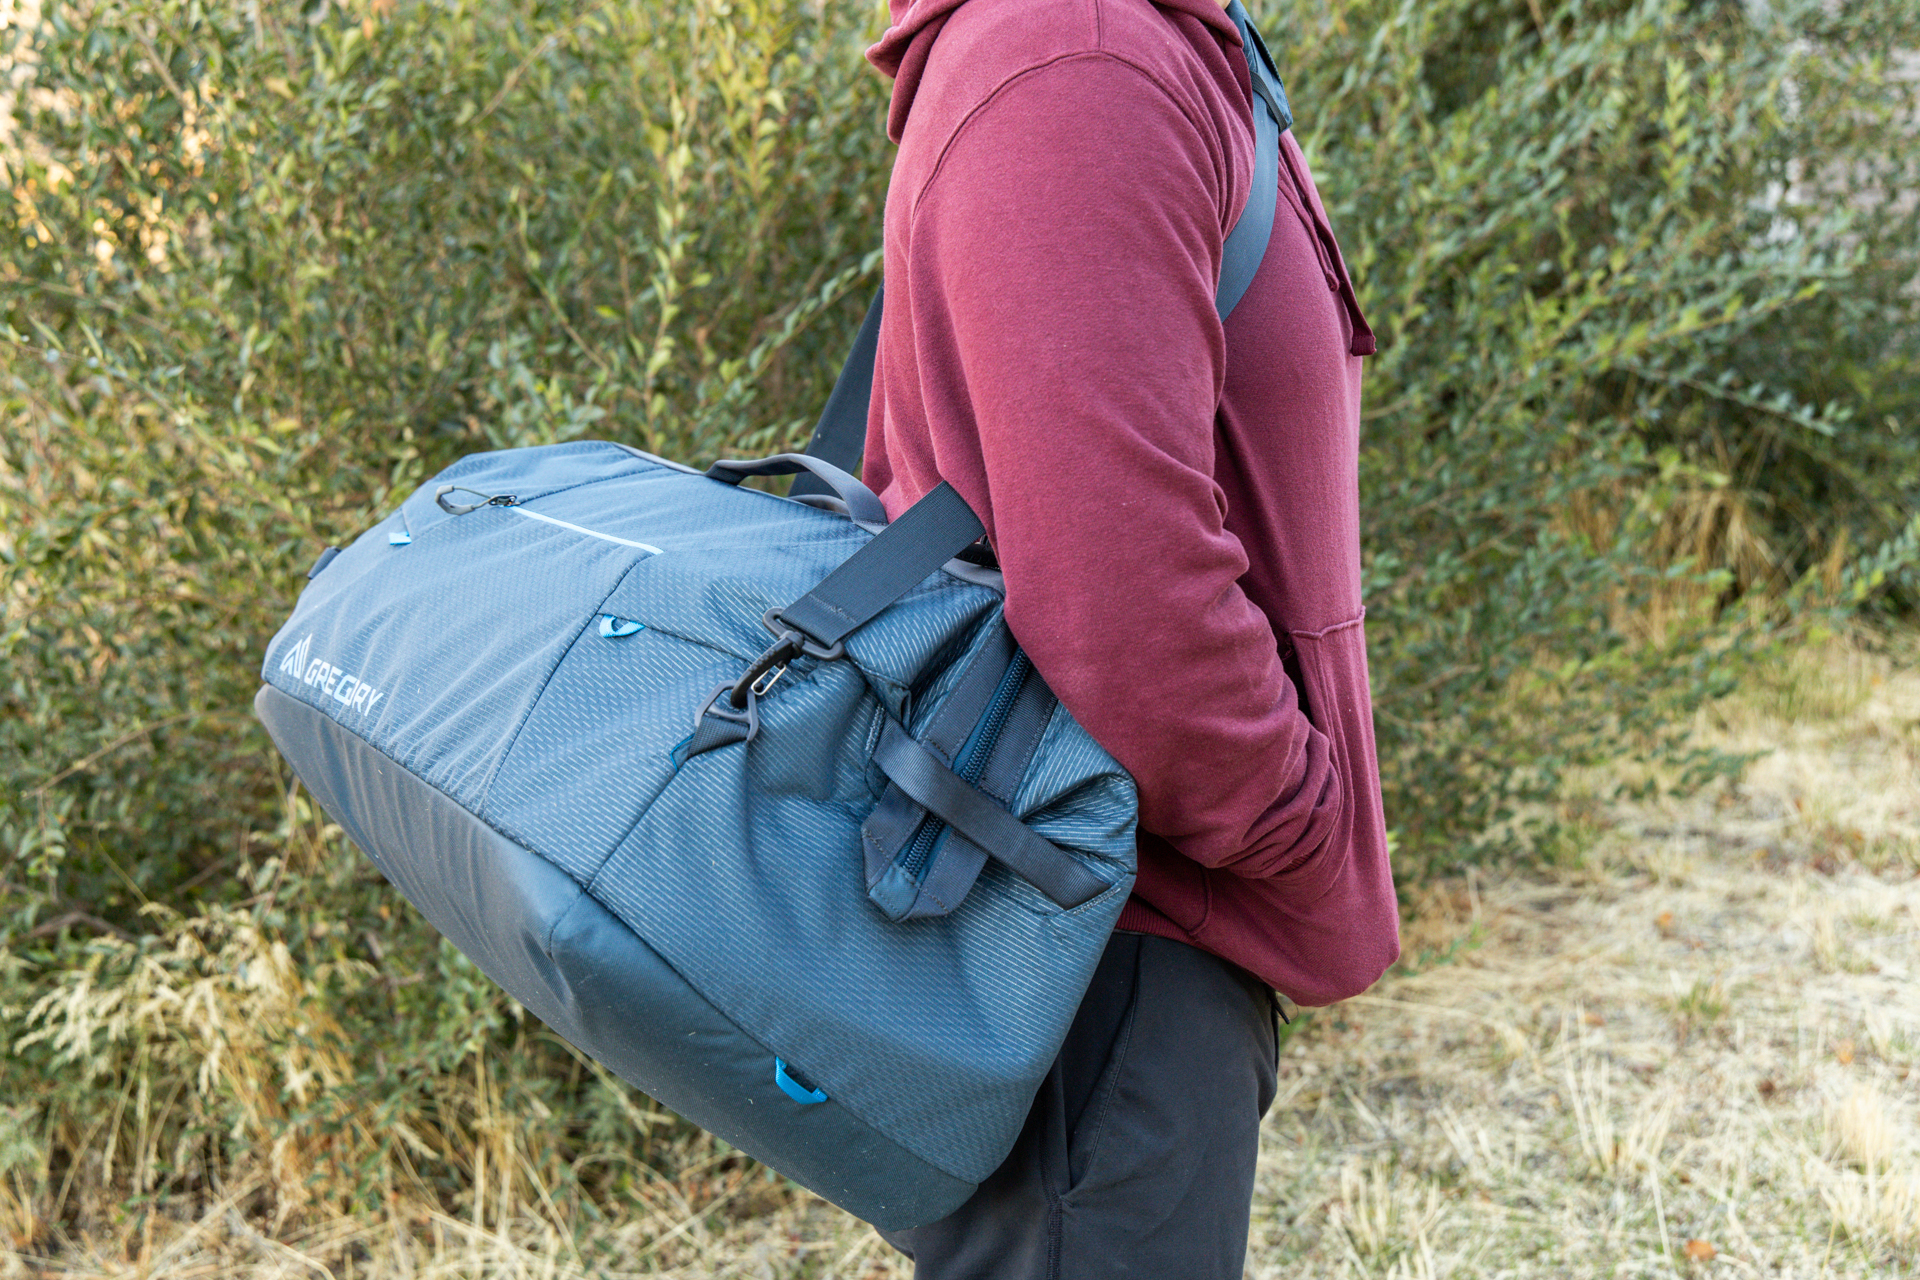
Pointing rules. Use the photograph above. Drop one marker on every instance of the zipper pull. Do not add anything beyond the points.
(461, 508)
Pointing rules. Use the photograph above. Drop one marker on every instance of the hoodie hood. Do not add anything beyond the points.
(901, 53)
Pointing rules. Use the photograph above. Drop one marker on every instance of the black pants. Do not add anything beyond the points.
(1137, 1159)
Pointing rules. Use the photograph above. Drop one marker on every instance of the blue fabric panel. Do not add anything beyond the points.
(471, 659)
(941, 1028)
(534, 931)
(595, 749)
(446, 710)
(1073, 793)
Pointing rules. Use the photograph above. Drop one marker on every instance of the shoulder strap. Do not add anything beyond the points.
(841, 434)
(1247, 242)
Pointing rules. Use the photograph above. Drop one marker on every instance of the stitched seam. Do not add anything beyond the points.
(1023, 749)
(1324, 632)
(993, 95)
(920, 887)
(873, 842)
(546, 939)
(944, 906)
(939, 732)
(546, 681)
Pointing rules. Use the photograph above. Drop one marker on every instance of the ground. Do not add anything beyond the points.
(1689, 1051)
(1685, 1046)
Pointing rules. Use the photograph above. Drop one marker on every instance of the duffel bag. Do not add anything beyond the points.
(841, 920)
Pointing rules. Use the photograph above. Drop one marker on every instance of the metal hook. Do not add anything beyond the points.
(778, 655)
(460, 509)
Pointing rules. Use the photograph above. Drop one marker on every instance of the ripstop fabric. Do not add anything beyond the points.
(468, 652)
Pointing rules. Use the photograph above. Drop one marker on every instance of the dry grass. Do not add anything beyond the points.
(1688, 1050)
(1691, 1051)
(719, 1218)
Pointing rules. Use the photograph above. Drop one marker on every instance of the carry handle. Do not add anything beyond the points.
(926, 779)
(862, 505)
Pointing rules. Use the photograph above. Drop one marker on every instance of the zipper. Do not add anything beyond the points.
(973, 757)
(519, 510)
(514, 504)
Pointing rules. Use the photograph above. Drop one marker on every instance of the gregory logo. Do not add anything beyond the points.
(342, 686)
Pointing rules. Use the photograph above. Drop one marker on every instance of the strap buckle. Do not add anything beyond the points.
(789, 644)
(771, 663)
(804, 643)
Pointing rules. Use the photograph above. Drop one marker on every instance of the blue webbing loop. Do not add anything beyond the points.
(616, 628)
(793, 1088)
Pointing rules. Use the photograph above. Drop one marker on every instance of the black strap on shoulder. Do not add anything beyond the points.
(841, 434)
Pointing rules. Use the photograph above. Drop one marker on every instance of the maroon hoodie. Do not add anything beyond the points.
(1174, 502)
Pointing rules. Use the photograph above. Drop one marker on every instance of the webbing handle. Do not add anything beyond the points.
(862, 504)
(976, 815)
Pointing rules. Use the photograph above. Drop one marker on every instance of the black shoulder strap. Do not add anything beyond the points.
(1247, 242)
(841, 434)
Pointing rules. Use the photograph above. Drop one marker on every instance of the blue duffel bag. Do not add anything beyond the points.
(753, 799)
(517, 695)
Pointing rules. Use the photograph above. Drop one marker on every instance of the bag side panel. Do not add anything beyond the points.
(442, 647)
(937, 1031)
(532, 929)
(597, 746)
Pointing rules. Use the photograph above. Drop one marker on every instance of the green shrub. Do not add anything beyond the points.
(1646, 393)
(1648, 364)
(261, 279)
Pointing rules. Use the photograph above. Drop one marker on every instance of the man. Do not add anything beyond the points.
(1174, 503)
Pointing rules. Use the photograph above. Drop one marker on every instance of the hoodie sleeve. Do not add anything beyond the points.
(1062, 260)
